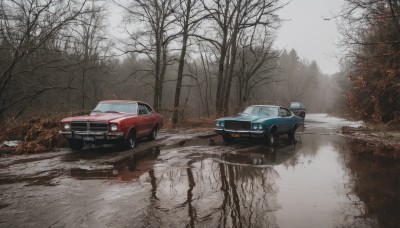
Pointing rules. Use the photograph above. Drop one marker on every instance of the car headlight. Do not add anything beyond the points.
(219, 124)
(114, 127)
(257, 126)
(67, 126)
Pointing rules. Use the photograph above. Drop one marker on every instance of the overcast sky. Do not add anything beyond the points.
(305, 30)
(309, 34)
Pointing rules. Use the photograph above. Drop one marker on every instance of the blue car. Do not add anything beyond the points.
(259, 122)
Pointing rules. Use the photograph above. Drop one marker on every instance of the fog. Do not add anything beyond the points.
(187, 65)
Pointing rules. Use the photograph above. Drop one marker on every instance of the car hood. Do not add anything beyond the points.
(98, 117)
(250, 118)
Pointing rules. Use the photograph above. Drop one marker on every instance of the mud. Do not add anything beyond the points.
(193, 179)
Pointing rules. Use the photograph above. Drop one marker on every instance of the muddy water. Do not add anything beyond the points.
(316, 180)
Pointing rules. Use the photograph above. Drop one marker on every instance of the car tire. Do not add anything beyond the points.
(292, 133)
(271, 138)
(130, 141)
(227, 139)
(153, 134)
(75, 145)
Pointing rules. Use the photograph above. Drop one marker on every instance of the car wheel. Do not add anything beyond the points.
(153, 134)
(271, 138)
(75, 145)
(130, 142)
(292, 133)
(227, 139)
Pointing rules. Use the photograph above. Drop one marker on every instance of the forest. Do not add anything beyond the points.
(371, 38)
(189, 58)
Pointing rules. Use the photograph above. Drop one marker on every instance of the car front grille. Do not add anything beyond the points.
(237, 125)
(89, 126)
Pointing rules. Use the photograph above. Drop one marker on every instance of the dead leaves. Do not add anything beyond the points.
(36, 135)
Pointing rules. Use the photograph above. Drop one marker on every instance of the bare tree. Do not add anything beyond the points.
(221, 15)
(229, 19)
(257, 64)
(91, 46)
(154, 21)
(28, 29)
(189, 17)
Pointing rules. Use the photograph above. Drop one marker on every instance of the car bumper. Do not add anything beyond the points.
(240, 133)
(90, 136)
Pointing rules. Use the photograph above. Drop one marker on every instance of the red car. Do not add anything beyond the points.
(115, 121)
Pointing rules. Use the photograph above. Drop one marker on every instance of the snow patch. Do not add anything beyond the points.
(332, 121)
(14, 143)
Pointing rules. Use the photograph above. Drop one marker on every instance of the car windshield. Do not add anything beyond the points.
(261, 110)
(116, 107)
(295, 105)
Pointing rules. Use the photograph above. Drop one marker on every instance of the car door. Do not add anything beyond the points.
(280, 121)
(153, 117)
(285, 116)
(290, 121)
(143, 127)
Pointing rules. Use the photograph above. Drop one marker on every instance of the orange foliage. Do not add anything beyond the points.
(376, 79)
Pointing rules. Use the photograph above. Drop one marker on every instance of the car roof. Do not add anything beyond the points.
(272, 106)
(297, 103)
(125, 101)
(119, 101)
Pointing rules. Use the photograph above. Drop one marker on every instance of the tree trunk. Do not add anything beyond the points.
(221, 65)
(162, 74)
(232, 61)
(156, 97)
(181, 64)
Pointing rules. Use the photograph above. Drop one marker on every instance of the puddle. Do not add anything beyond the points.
(318, 180)
(128, 169)
(46, 178)
(262, 156)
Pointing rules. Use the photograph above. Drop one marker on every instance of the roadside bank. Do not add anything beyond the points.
(375, 142)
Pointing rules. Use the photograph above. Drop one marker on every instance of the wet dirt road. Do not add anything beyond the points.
(185, 180)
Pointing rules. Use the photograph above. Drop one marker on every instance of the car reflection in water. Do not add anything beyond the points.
(207, 186)
(263, 156)
(128, 169)
(247, 177)
(234, 188)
